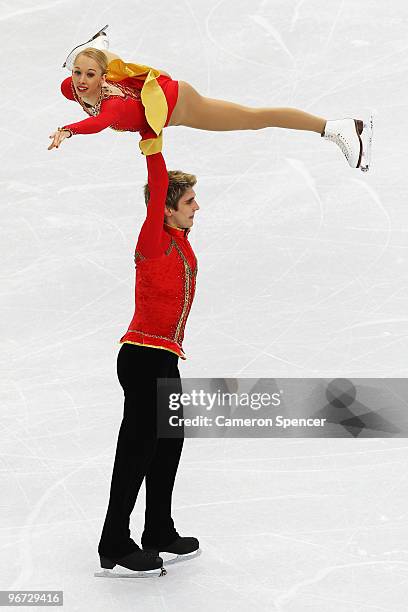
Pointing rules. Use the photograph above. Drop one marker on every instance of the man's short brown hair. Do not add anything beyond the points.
(179, 183)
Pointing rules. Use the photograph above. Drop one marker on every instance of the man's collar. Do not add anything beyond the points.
(176, 231)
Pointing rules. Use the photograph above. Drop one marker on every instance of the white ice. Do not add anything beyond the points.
(302, 273)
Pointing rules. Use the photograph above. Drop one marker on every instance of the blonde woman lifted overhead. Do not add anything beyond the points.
(133, 97)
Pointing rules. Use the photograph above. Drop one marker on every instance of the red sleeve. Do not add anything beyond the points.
(109, 114)
(66, 88)
(153, 241)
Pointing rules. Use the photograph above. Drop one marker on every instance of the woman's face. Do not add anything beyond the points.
(87, 77)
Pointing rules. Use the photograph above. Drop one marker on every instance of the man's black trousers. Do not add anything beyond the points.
(141, 454)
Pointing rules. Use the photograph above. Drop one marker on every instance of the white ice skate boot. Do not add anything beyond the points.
(354, 137)
(98, 41)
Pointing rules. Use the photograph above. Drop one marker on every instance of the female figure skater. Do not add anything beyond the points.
(134, 97)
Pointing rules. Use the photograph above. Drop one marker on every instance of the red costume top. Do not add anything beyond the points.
(165, 263)
(125, 113)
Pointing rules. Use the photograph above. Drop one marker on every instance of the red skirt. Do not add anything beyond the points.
(170, 90)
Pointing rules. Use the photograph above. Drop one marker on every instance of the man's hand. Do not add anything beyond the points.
(58, 137)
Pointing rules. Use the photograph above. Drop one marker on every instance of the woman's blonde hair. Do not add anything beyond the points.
(97, 55)
(179, 183)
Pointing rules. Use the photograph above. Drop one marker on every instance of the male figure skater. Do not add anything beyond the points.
(166, 269)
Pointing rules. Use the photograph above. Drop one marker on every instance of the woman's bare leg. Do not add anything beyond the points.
(196, 111)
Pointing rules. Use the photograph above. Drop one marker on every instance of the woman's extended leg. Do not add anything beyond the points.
(196, 111)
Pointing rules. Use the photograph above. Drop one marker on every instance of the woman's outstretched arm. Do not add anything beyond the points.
(109, 116)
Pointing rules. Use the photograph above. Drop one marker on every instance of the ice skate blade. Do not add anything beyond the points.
(367, 139)
(169, 558)
(124, 573)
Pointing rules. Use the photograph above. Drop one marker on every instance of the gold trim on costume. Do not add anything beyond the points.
(187, 277)
(180, 229)
(154, 346)
(138, 331)
(184, 258)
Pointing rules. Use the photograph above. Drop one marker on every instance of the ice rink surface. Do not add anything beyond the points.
(302, 273)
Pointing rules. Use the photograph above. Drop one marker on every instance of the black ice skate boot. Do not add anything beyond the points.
(140, 562)
(180, 549)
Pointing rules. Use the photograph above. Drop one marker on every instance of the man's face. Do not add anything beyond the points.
(183, 217)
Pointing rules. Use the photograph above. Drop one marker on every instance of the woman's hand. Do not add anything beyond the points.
(58, 137)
